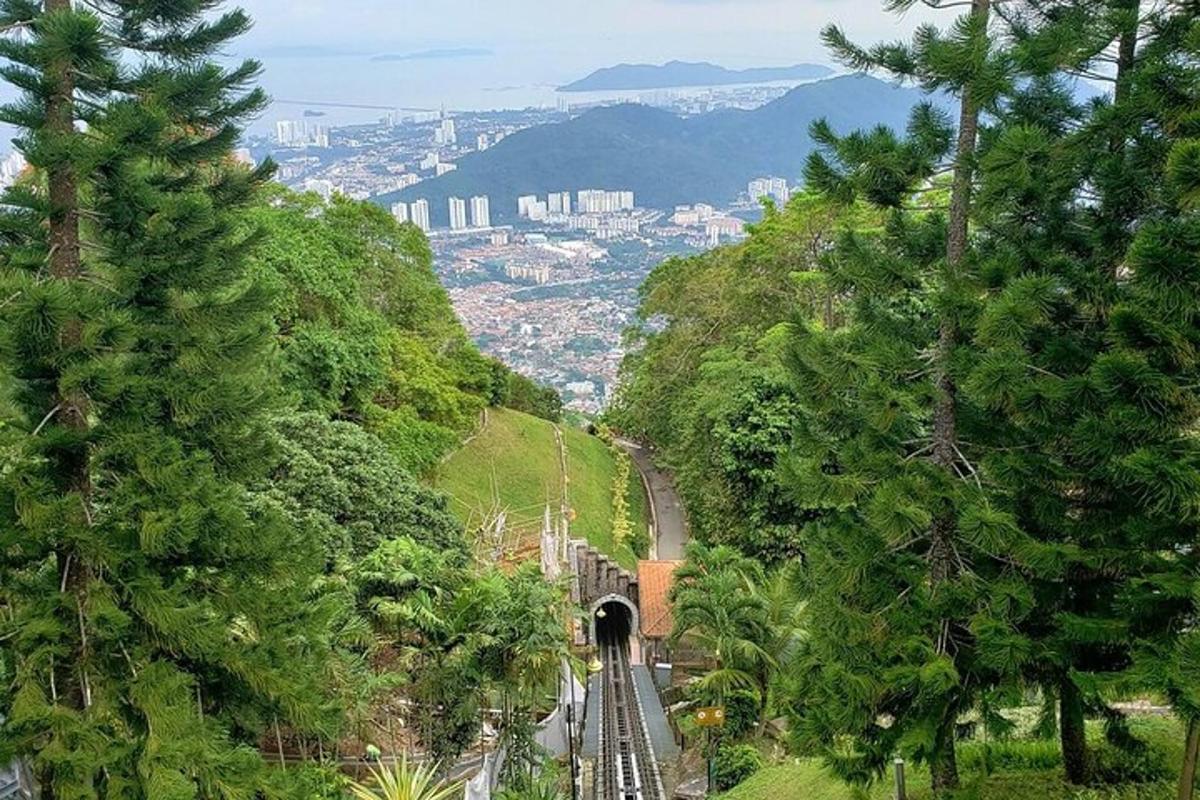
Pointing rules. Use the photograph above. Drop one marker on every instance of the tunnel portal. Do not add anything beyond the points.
(614, 618)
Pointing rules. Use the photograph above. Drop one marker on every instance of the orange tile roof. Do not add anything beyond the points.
(654, 584)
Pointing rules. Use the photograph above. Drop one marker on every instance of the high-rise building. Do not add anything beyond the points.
(523, 204)
(481, 216)
(420, 215)
(444, 167)
(566, 202)
(776, 188)
(554, 203)
(400, 212)
(481, 142)
(625, 201)
(289, 132)
(458, 214)
(538, 211)
(430, 161)
(449, 135)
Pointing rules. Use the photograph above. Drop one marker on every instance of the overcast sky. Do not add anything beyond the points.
(739, 32)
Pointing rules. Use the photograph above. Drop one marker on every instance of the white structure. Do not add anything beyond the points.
(323, 187)
(599, 201)
(523, 204)
(481, 215)
(400, 212)
(449, 134)
(320, 136)
(444, 167)
(430, 161)
(420, 215)
(458, 214)
(776, 188)
(290, 132)
(559, 203)
(481, 142)
(500, 238)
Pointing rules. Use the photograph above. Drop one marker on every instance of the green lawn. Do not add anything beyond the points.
(513, 464)
(806, 779)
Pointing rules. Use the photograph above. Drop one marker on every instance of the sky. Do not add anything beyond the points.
(462, 55)
(737, 32)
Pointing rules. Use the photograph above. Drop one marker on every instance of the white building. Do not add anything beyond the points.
(523, 204)
(400, 212)
(323, 187)
(559, 202)
(481, 215)
(500, 238)
(420, 215)
(290, 132)
(776, 188)
(430, 161)
(449, 134)
(444, 167)
(481, 142)
(538, 211)
(458, 214)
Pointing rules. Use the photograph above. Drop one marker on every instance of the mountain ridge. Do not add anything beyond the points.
(677, 74)
(665, 159)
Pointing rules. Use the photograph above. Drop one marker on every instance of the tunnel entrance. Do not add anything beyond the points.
(613, 617)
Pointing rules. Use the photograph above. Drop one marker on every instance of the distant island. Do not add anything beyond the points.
(435, 55)
(675, 74)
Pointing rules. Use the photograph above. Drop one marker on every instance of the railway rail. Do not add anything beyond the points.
(628, 769)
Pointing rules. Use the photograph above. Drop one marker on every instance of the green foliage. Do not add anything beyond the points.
(352, 489)
(156, 616)
(368, 332)
(707, 388)
(735, 763)
(404, 781)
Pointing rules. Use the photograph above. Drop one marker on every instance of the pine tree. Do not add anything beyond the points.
(157, 618)
(1086, 347)
(908, 543)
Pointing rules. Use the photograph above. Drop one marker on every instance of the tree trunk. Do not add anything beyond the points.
(1071, 732)
(943, 566)
(1191, 754)
(944, 768)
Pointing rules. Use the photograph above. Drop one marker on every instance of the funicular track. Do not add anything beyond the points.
(627, 770)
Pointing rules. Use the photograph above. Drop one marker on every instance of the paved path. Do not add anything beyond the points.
(665, 507)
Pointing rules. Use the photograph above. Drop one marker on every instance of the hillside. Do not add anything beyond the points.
(514, 466)
(665, 159)
(687, 73)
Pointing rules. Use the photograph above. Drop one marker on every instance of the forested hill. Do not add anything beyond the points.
(368, 333)
(665, 159)
(710, 388)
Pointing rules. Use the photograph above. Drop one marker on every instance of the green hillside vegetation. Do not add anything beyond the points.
(513, 465)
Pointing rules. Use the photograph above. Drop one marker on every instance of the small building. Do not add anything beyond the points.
(654, 580)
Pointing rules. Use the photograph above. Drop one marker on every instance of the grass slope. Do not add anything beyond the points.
(514, 465)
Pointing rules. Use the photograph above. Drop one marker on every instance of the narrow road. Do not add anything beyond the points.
(666, 509)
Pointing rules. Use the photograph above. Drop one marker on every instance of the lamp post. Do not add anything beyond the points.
(571, 733)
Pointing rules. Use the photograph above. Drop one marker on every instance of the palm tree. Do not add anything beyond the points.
(718, 605)
(405, 781)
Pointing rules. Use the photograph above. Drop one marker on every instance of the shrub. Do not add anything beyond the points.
(734, 763)
(1138, 764)
(1010, 755)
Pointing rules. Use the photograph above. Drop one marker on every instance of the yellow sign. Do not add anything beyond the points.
(710, 717)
